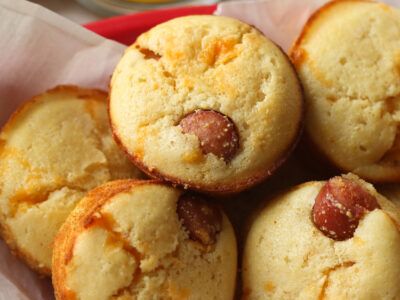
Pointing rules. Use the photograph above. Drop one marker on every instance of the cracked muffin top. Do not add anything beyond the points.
(206, 102)
(53, 149)
(144, 240)
(348, 59)
(337, 239)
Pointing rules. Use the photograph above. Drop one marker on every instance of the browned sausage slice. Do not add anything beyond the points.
(216, 132)
(339, 206)
(201, 219)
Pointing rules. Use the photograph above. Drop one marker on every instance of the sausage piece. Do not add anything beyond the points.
(216, 132)
(339, 206)
(200, 218)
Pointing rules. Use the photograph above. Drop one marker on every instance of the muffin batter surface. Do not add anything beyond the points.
(288, 257)
(52, 150)
(348, 59)
(132, 240)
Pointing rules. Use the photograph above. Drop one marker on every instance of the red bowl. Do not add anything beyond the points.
(125, 29)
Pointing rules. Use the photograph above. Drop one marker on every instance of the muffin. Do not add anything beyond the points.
(53, 149)
(144, 240)
(338, 239)
(348, 58)
(207, 103)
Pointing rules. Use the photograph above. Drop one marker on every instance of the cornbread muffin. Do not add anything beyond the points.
(144, 240)
(348, 59)
(206, 102)
(338, 239)
(53, 149)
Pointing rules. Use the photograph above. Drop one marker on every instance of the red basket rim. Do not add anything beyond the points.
(126, 28)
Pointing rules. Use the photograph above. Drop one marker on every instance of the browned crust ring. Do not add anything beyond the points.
(314, 155)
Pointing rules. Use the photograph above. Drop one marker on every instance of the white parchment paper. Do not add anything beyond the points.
(39, 49)
(280, 20)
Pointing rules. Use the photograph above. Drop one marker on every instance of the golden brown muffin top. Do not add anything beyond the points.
(133, 239)
(347, 58)
(288, 257)
(206, 63)
(52, 150)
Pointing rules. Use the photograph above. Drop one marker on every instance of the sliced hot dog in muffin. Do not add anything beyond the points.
(347, 58)
(206, 102)
(53, 149)
(335, 239)
(145, 240)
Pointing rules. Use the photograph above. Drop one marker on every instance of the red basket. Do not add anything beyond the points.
(125, 29)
